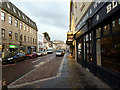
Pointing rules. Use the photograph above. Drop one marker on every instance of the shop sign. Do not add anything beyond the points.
(108, 9)
(95, 6)
(13, 46)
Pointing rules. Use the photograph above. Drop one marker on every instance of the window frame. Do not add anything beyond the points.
(2, 16)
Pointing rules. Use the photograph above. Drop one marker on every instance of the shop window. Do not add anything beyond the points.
(16, 23)
(98, 52)
(3, 33)
(10, 34)
(119, 21)
(2, 16)
(16, 36)
(10, 20)
(91, 47)
(110, 52)
(79, 51)
(113, 23)
(98, 32)
(20, 25)
(106, 29)
(114, 26)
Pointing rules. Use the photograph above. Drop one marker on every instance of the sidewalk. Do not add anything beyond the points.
(72, 76)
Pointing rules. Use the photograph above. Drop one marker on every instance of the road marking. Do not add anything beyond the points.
(39, 64)
(35, 61)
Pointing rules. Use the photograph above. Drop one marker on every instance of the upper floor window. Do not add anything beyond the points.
(28, 39)
(24, 38)
(16, 23)
(3, 16)
(21, 37)
(10, 20)
(10, 34)
(20, 25)
(24, 27)
(28, 29)
(16, 36)
(3, 33)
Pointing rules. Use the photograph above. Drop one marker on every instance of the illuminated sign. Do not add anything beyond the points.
(13, 46)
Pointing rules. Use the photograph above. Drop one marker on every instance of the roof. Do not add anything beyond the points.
(13, 10)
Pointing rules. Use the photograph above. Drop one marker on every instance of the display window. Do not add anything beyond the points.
(108, 47)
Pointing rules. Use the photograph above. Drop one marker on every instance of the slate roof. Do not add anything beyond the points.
(13, 10)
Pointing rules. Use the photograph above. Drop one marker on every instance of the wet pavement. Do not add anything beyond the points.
(73, 75)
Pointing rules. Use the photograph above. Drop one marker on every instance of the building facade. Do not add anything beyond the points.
(18, 31)
(97, 39)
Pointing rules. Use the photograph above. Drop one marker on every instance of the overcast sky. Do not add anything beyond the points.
(51, 16)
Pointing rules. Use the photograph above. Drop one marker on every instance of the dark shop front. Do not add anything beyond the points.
(98, 41)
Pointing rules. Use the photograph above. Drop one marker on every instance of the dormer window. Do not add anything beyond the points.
(23, 16)
(19, 13)
(14, 10)
(8, 6)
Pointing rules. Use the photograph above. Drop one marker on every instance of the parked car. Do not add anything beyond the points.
(59, 53)
(50, 51)
(40, 53)
(63, 51)
(31, 55)
(45, 52)
(14, 58)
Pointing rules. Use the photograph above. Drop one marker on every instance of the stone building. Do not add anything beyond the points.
(18, 31)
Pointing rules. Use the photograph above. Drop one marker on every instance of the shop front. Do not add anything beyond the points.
(98, 43)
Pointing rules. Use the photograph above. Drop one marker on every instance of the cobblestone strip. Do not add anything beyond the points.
(47, 70)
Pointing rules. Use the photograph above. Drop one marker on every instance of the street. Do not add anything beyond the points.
(12, 72)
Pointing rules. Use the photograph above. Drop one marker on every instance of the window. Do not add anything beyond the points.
(21, 37)
(28, 39)
(2, 16)
(10, 20)
(14, 10)
(113, 23)
(119, 21)
(114, 26)
(19, 13)
(108, 48)
(3, 33)
(10, 34)
(20, 25)
(106, 29)
(28, 28)
(16, 23)
(16, 36)
(24, 27)
(98, 32)
(8, 6)
(24, 38)
(33, 40)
